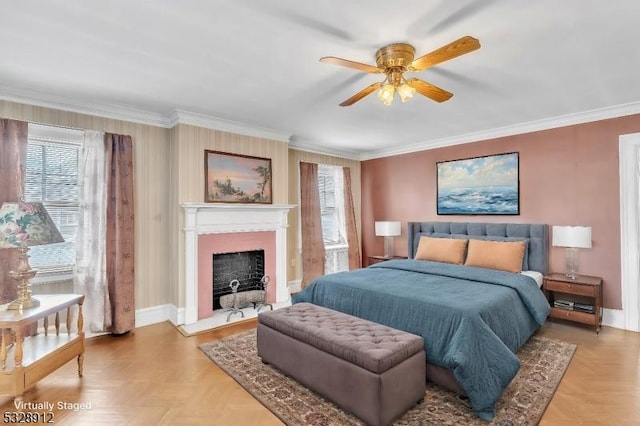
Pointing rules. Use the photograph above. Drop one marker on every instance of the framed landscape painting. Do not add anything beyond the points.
(234, 178)
(488, 185)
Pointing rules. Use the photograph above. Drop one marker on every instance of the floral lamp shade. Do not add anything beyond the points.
(22, 225)
(26, 224)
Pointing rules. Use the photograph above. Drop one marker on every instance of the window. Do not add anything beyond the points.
(52, 179)
(331, 189)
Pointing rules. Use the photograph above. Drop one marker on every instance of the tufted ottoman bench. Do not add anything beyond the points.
(374, 371)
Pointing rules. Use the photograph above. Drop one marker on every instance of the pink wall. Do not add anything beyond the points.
(568, 176)
(229, 243)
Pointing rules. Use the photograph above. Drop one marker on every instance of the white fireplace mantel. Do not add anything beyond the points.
(210, 218)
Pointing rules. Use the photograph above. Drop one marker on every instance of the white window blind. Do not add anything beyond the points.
(52, 179)
(331, 189)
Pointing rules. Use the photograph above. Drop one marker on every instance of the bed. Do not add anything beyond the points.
(473, 319)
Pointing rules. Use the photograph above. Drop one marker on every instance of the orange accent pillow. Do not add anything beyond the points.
(501, 255)
(447, 250)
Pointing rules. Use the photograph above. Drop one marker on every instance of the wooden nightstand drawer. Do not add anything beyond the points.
(570, 288)
(376, 259)
(581, 317)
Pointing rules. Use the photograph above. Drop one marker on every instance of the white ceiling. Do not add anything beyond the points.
(253, 64)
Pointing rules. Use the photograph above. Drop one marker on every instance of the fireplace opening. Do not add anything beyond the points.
(245, 266)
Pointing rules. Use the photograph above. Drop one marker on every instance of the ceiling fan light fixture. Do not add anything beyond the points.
(394, 60)
(406, 92)
(385, 94)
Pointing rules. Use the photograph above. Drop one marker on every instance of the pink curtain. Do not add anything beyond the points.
(120, 231)
(311, 224)
(13, 157)
(355, 261)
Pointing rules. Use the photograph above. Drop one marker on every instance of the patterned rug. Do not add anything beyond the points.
(543, 363)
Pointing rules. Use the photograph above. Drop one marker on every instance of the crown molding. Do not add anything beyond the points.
(518, 129)
(113, 112)
(139, 116)
(308, 146)
(178, 116)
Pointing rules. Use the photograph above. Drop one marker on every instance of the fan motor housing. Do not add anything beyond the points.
(396, 55)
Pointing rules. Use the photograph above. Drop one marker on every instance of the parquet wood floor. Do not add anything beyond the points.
(156, 376)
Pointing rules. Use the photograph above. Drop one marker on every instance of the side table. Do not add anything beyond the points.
(559, 286)
(26, 360)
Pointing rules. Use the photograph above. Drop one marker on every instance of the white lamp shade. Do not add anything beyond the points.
(571, 236)
(388, 229)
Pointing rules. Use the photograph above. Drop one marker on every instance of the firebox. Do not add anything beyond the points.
(245, 266)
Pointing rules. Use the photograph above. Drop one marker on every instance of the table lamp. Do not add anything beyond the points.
(573, 238)
(388, 230)
(24, 224)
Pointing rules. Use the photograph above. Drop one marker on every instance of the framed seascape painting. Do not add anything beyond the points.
(234, 178)
(479, 186)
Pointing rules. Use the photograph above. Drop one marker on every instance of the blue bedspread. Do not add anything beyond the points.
(473, 320)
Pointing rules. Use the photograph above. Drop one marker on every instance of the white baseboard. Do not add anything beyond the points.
(177, 315)
(294, 286)
(152, 315)
(613, 318)
(170, 312)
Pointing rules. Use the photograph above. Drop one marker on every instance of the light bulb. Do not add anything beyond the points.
(406, 92)
(385, 94)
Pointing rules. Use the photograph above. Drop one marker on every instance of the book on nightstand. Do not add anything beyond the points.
(584, 308)
(563, 304)
(573, 306)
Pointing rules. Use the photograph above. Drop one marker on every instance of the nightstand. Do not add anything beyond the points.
(376, 259)
(570, 298)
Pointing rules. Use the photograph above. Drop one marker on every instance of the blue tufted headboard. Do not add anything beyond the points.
(536, 234)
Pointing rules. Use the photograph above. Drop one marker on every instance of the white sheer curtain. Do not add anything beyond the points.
(338, 179)
(90, 278)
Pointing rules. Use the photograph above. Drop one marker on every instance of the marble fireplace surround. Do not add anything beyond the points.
(211, 218)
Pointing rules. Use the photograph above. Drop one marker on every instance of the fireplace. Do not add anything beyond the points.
(228, 228)
(245, 266)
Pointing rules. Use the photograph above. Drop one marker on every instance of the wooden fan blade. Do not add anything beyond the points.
(452, 50)
(351, 64)
(429, 90)
(361, 94)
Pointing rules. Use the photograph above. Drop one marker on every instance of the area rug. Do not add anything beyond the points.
(543, 363)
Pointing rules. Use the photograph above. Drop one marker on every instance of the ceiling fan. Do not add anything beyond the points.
(394, 60)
